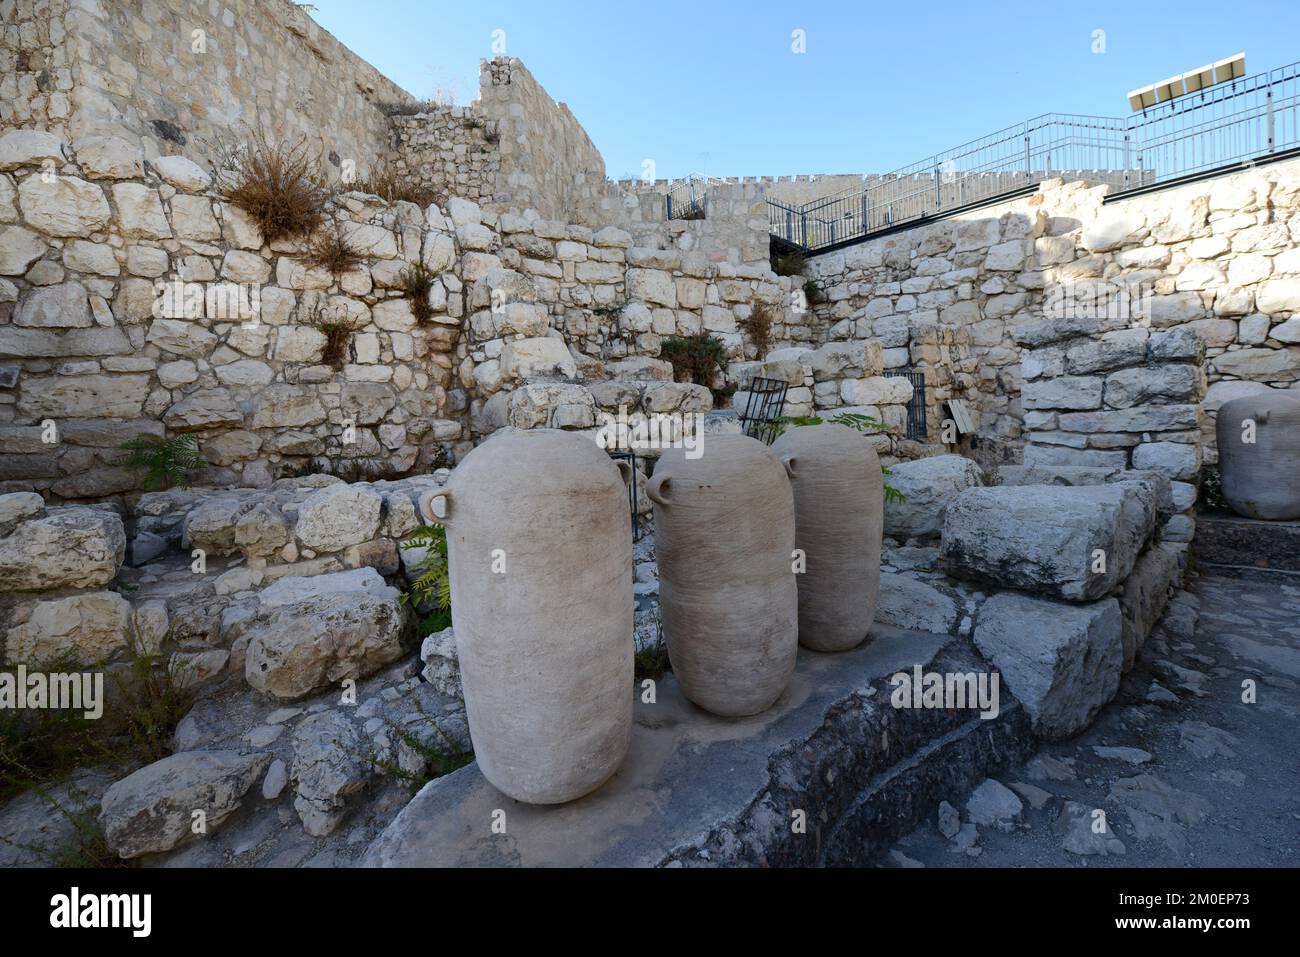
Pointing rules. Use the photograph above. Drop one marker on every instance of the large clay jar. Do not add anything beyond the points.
(1260, 478)
(839, 502)
(724, 537)
(539, 542)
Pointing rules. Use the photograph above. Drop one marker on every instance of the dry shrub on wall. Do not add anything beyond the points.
(337, 329)
(694, 358)
(757, 327)
(416, 282)
(384, 180)
(331, 250)
(279, 184)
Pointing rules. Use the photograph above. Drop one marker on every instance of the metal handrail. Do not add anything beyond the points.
(685, 197)
(1234, 122)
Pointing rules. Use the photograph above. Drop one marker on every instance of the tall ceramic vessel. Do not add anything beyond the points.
(724, 536)
(839, 501)
(1261, 479)
(540, 556)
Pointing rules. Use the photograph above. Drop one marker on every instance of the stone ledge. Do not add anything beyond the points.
(700, 789)
(1248, 543)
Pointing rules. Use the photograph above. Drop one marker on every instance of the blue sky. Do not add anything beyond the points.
(713, 85)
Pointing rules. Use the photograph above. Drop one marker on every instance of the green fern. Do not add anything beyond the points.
(164, 463)
(433, 583)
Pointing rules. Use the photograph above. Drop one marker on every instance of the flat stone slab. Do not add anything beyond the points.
(686, 772)
(1223, 539)
(1070, 542)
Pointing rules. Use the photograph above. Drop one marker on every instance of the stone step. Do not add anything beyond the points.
(1229, 540)
(701, 790)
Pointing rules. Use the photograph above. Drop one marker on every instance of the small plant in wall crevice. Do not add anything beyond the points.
(416, 283)
(431, 587)
(337, 329)
(390, 184)
(695, 358)
(333, 251)
(757, 326)
(163, 463)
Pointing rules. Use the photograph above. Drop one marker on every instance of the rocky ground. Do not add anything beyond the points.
(1184, 771)
(308, 783)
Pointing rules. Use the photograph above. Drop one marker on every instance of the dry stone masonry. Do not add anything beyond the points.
(1092, 339)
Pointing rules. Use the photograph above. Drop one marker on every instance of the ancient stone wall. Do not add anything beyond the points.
(449, 149)
(548, 161)
(174, 76)
(1067, 300)
(134, 299)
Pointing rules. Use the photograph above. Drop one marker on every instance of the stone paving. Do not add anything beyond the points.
(1186, 773)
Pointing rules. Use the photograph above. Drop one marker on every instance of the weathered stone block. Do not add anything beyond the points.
(928, 486)
(1062, 662)
(152, 810)
(345, 625)
(1070, 543)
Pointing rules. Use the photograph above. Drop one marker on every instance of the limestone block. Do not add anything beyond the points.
(140, 212)
(152, 810)
(19, 248)
(1145, 596)
(652, 286)
(542, 356)
(1070, 543)
(329, 767)
(206, 408)
(550, 406)
(64, 306)
(334, 518)
(66, 207)
(1174, 382)
(1278, 296)
(98, 258)
(1262, 364)
(286, 406)
(182, 173)
(1062, 662)
(1064, 392)
(1180, 461)
(30, 148)
(343, 625)
(182, 337)
(908, 602)
(84, 396)
(109, 157)
(71, 547)
(82, 630)
(880, 390)
(928, 486)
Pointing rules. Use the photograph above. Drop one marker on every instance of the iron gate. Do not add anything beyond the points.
(916, 425)
(764, 402)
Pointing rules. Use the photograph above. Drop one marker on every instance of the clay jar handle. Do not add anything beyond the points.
(625, 469)
(790, 461)
(658, 488)
(435, 505)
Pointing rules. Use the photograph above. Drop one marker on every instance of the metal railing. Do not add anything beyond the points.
(685, 197)
(764, 403)
(1234, 123)
(916, 428)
